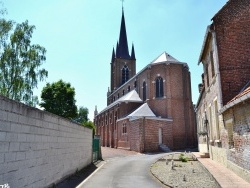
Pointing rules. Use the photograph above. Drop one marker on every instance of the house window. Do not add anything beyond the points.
(144, 91)
(207, 75)
(216, 119)
(212, 137)
(159, 87)
(125, 74)
(212, 63)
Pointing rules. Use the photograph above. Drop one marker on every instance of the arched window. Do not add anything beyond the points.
(144, 91)
(135, 84)
(125, 74)
(110, 118)
(113, 98)
(123, 92)
(115, 118)
(118, 96)
(159, 87)
(106, 119)
(128, 88)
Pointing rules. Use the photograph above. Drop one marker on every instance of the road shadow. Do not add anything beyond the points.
(75, 179)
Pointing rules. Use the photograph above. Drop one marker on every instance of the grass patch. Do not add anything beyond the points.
(183, 158)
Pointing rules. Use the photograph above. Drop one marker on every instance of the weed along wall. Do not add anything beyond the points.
(37, 148)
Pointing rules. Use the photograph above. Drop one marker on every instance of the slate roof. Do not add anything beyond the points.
(164, 57)
(132, 96)
(142, 111)
(122, 47)
(133, 52)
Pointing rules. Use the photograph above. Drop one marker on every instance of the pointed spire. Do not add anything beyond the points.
(95, 112)
(117, 49)
(133, 52)
(123, 42)
(113, 55)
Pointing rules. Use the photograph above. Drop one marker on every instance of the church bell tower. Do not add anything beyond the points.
(123, 64)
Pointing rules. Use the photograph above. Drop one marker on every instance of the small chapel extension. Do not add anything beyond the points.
(148, 110)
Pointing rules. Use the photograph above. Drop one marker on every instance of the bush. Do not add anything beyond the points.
(183, 158)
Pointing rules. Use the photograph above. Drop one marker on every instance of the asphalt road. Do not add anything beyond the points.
(125, 172)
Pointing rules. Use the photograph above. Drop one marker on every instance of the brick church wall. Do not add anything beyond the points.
(152, 127)
(127, 108)
(232, 27)
(136, 135)
(123, 136)
(176, 104)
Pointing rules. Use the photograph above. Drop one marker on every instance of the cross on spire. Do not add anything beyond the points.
(122, 3)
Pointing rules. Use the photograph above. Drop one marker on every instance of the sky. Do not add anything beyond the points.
(79, 36)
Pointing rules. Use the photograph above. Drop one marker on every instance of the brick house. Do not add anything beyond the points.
(226, 64)
(148, 110)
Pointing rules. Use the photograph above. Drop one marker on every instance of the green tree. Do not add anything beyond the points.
(82, 115)
(59, 98)
(82, 118)
(20, 62)
(91, 125)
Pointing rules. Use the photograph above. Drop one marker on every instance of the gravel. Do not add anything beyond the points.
(182, 174)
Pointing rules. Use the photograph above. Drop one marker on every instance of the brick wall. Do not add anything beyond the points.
(232, 27)
(136, 135)
(123, 133)
(240, 115)
(176, 104)
(127, 108)
(144, 134)
(37, 148)
(116, 74)
(152, 127)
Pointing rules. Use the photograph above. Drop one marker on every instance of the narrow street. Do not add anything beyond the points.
(124, 169)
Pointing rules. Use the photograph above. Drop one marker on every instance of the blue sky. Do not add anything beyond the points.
(79, 36)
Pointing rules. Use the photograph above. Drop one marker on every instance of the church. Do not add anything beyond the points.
(150, 110)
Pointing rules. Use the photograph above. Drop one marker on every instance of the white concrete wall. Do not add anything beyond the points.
(37, 148)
